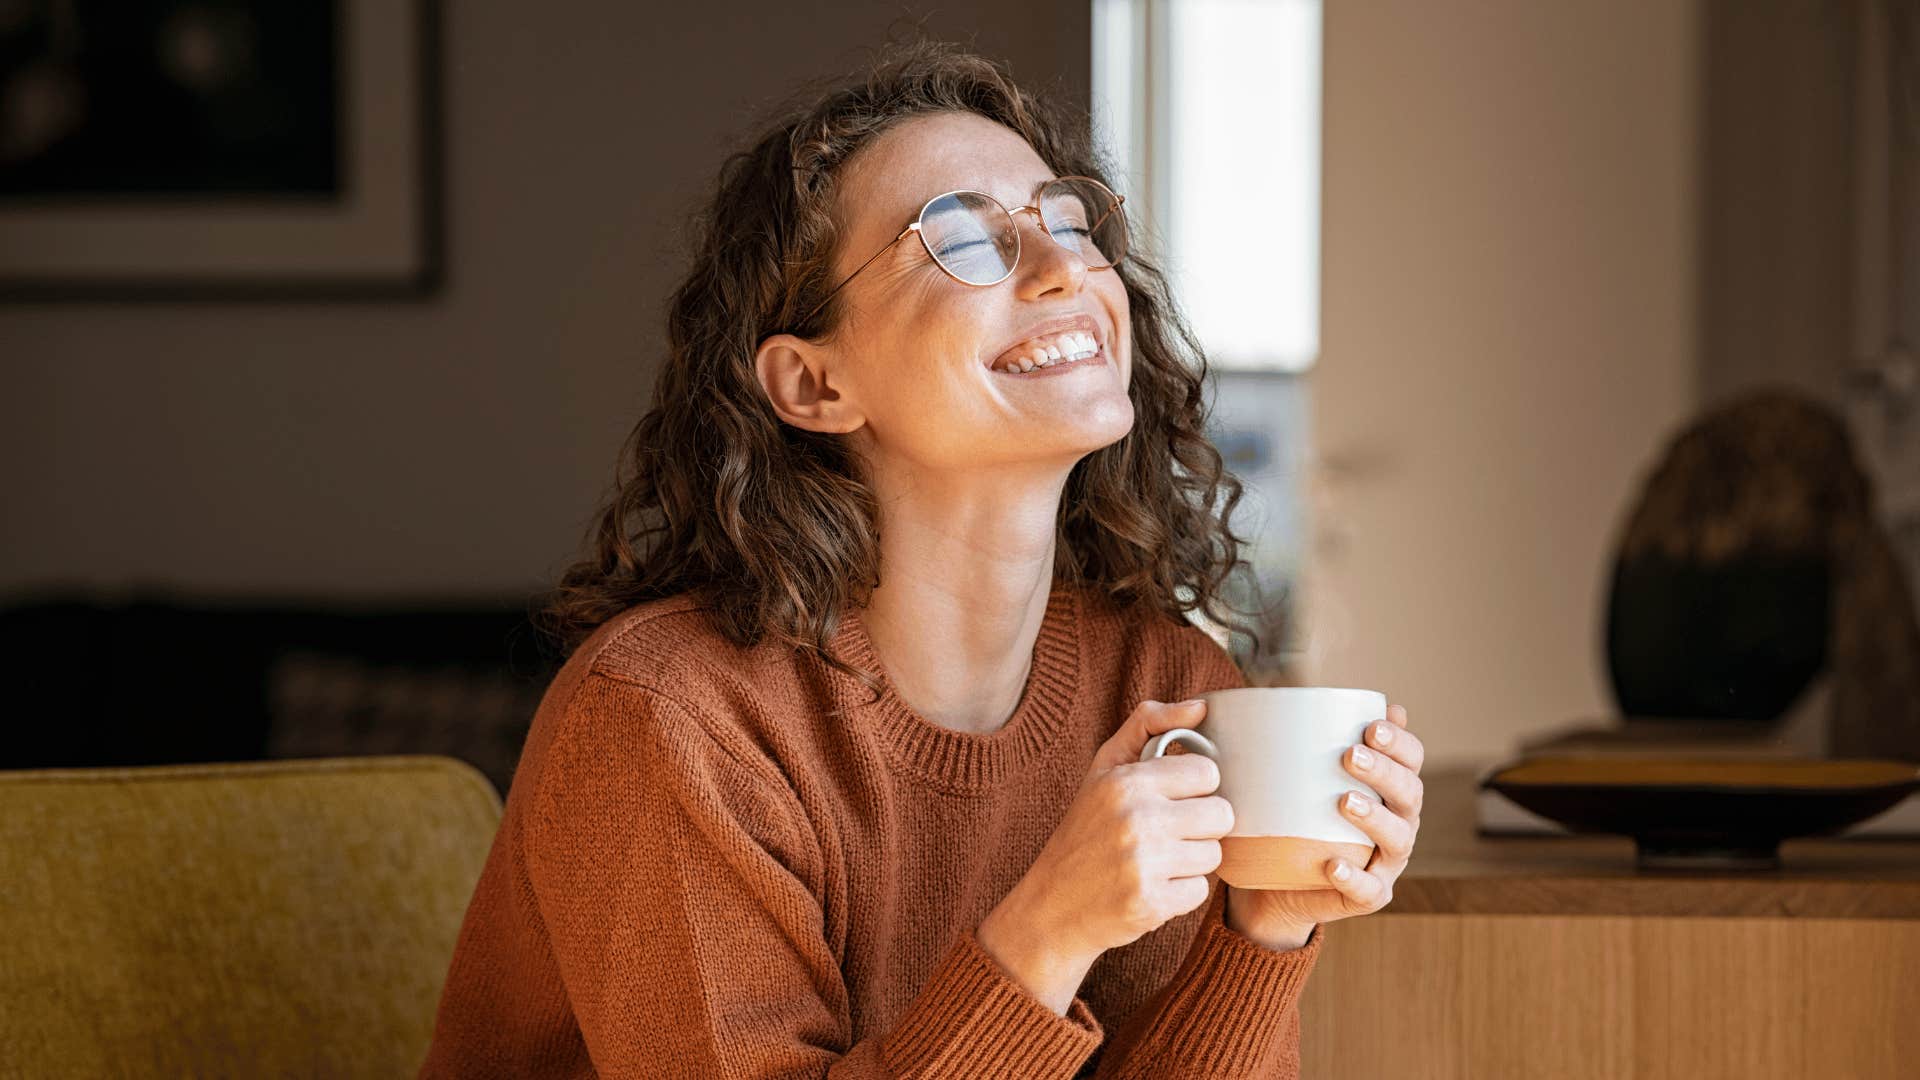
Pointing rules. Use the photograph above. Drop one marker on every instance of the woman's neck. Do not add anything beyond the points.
(958, 656)
(963, 592)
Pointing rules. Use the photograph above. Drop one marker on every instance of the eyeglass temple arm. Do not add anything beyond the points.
(915, 227)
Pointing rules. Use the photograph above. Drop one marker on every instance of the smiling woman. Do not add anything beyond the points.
(772, 514)
(842, 776)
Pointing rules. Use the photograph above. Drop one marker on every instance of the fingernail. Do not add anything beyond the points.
(1357, 804)
(1362, 757)
(1191, 701)
(1383, 733)
(1341, 872)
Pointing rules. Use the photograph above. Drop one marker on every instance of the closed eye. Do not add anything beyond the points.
(955, 249)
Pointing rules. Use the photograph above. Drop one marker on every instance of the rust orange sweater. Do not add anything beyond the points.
(701, 873)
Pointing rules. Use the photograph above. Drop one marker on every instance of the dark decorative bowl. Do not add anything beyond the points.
(1693, 814)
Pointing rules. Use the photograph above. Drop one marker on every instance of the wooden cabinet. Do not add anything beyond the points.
(1554, 958)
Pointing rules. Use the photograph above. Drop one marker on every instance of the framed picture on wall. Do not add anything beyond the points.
(249, 149)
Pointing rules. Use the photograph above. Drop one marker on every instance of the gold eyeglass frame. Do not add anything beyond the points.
(1012, 215)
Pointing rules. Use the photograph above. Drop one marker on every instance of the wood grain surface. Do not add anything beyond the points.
(1482, 997)
(1554, 959)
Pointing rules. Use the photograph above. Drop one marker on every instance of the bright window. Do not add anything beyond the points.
(1212, 111)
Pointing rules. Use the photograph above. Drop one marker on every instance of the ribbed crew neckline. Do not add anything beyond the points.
(961, 761)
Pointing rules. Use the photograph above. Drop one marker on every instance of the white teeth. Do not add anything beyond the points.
(1067, 347)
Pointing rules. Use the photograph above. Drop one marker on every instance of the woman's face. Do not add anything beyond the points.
(917, 355)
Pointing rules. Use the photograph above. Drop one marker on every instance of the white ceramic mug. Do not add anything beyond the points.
(1279, 750)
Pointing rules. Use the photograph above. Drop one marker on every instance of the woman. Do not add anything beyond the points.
(840, 778)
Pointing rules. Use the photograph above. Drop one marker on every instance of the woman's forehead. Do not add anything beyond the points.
(929, 156)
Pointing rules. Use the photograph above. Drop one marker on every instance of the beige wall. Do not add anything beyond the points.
(458, 445)
(1777, 196)
(1508, 336)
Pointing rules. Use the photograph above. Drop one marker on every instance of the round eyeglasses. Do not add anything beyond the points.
(976, 239)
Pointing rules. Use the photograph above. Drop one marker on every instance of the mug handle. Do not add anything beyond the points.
(1192, 739)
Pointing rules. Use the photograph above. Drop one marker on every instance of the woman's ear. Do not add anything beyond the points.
(794, 375)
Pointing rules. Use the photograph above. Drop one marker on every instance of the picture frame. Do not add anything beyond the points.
(338, 198)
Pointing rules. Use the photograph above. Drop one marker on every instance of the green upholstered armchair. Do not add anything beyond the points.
(286, 918)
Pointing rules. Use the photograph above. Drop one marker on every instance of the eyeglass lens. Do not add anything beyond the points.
(976, 240)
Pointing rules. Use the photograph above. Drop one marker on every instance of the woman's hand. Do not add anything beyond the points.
(1132, 851)
(1282, 918)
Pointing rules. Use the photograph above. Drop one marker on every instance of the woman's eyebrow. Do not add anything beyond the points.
(1021, 201)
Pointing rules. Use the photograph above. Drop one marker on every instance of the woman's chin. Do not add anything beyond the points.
(1072, 444)
(1107, 422)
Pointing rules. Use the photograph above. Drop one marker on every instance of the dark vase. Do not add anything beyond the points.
(1735, 641)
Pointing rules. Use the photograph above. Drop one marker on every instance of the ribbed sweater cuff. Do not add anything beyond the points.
(1226, 1013)
(972, 1019)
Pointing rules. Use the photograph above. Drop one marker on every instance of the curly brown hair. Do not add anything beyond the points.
(774, 523)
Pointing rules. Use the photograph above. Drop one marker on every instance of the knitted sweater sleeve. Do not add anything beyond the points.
(678, 882)
(1231, 1010)
(1232, 1007)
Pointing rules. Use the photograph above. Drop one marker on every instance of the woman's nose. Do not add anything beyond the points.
(1045, 263)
